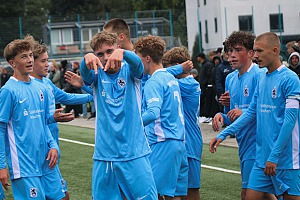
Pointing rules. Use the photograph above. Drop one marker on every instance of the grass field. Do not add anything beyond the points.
(76, 167)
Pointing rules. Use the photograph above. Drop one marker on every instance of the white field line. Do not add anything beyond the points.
(203, 166)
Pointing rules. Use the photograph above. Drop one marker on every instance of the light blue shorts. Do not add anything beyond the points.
(52, 185)
(246, 168)
(2, 196)
(170, 167)
(63, 182)
(28, 188)
(194, 173)
(284, 181)
(132, 179)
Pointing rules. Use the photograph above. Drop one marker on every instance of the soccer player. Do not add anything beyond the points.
(190, 93)
(121, 165)
(56, 95)
(120, 27)
(25, 139)
(276, 110)
(163, 120)
(241, 85)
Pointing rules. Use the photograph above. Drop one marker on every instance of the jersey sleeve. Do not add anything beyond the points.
(292, 91)
(135, 63)
(3, 130)
(70, 98)
(86, 74)
(175, 70)
(153, 94)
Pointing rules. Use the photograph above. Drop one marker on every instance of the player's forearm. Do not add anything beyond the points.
(135, 63)
(290, 117)
(150, 115)
(86, 74)
(3, 127)
(175, 70)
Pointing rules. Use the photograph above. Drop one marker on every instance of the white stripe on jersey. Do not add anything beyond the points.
(291, 103)
(137, 86)
(13, 150)
(295, 150)
(159, 131)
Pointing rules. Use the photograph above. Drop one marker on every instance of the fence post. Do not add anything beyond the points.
(279, 23)
(20, 27)
(171, 28)
(253, 31)
(136, 24)
(50, 36)
(79, 34)
(199, 30)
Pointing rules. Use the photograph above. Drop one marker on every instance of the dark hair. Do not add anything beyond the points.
(201, 55)
(242, 38)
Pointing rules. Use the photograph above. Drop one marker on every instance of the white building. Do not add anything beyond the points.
(218, 18)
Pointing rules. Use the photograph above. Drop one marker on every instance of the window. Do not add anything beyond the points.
(204, 2)
(206, 32)
(216, 25)
(245, 23)
(276, 22)
(67, 36)
(87, 34)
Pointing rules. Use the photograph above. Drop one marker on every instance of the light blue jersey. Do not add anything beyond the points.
(57, 95)
(241, 90)
(24, 108)
(162, 93)
(228, 78)
(277, 136)
(119, 131)
(2, 196)
(190, 94)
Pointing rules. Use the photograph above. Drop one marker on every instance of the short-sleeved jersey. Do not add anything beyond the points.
(119, 130)
(272, 92)
(241, 90)
(162, 91)
(56, 95)
(190, 94)
(24, 107)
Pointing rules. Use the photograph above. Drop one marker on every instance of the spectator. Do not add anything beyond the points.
(55, 74)
(294, 63)
(206, 66)
(222, 71)
(73, 89)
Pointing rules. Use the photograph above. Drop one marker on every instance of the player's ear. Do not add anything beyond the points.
(148, 59)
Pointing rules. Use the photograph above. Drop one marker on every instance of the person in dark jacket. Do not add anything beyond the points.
(206, 66)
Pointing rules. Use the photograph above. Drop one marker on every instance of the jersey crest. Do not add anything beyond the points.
(246, 91)
(121, 82)
(42, 98)
(274, 92)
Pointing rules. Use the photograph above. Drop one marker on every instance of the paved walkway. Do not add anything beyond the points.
(206, 130)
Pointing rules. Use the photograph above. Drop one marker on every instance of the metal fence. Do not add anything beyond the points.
(69, 36)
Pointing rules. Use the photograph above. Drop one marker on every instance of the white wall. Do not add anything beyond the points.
(234, 8)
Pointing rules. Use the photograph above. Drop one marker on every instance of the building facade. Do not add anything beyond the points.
(216, 19)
